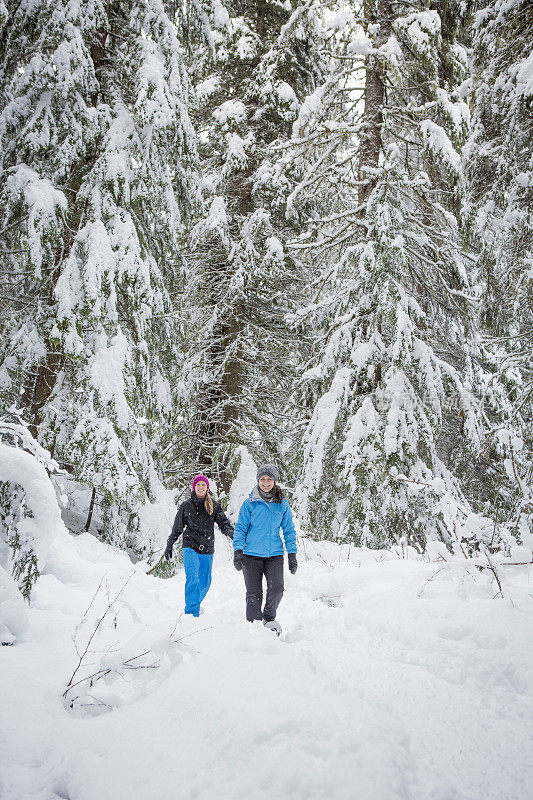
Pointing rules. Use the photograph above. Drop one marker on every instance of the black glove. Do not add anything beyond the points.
(168, 552)
(238, 559)
(293, 564)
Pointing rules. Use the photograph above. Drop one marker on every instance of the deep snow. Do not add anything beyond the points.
(394, 678)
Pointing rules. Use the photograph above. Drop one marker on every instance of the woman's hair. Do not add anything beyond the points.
(208, 502)
(277, 494)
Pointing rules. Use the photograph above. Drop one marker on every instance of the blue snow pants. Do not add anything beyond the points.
(197, 579)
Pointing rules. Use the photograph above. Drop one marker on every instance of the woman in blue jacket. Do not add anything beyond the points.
(258, 547)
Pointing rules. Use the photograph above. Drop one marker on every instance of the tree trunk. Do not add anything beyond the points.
(371, 142)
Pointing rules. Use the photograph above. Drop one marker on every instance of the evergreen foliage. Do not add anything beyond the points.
(498, 211)
(392, 389)
(297, 227)
(251, 65)
(96, 180)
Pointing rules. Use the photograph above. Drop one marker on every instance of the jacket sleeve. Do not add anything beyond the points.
(180, 521)
(241, 528)
(223, 522)
(289, 531)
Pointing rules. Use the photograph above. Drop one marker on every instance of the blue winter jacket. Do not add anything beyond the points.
(257, 532)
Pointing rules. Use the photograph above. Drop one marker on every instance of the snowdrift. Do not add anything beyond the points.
(395, 677)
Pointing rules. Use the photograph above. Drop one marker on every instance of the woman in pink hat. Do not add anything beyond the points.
(196, 519)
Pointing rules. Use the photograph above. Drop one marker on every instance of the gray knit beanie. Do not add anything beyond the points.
(268, 469)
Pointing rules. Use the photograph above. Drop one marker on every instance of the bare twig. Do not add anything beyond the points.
(437, 572)
(93, 634)
(493, 570)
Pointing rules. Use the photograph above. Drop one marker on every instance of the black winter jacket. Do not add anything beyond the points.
(198, 527)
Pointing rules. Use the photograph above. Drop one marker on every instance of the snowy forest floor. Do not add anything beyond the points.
(394, 678)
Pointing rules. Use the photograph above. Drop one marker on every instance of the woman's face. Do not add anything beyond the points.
(201, 489)
(266, 483)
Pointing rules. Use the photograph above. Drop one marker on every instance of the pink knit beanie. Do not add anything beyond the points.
(199, 478)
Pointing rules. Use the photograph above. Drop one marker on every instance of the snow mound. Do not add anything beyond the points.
(23, 469)
(13, 616)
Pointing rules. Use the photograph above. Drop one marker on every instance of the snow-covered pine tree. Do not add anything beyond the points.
(499, 211)
(96, 149)
(251, 63)
(390, 392)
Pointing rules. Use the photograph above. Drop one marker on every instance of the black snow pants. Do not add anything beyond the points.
(254, 568)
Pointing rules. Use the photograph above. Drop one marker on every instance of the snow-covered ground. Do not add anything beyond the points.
(394, 678)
